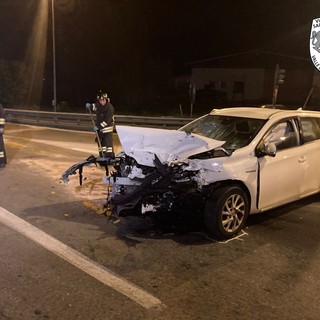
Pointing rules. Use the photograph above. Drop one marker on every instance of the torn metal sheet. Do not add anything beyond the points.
(170, 146)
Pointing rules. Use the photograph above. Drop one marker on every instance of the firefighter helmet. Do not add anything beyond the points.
(102, 95)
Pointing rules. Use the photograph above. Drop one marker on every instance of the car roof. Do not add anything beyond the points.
(262, 113)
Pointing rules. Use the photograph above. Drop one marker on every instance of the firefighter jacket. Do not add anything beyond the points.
(105, 117)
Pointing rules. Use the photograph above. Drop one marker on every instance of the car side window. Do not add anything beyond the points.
(310, 129)
(283, 135)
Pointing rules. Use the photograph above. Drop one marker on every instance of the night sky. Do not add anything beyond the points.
(131, 45)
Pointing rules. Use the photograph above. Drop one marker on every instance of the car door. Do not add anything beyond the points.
(311, 154)
(280, 176)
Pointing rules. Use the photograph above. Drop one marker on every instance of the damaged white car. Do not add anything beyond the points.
(223, 166)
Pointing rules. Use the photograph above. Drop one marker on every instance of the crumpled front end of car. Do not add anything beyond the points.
(138, 189)
(158, 170)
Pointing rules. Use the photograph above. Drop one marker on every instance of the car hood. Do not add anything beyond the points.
(170, 146)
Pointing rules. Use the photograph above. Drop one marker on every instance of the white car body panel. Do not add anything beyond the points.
(310, 157)
(280, 178)
(240, 166)
(171, 146)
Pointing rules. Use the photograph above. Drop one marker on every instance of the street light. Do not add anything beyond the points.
(54, 102)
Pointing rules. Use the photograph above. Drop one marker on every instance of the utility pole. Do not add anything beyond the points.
(54, 101)
(192, 94)
(279, 76)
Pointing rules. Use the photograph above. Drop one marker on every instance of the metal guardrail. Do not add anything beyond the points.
(82, 122)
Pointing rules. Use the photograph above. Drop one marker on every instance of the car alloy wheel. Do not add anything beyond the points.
(226, 212)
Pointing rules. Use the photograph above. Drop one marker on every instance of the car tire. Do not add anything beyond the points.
(226, 212)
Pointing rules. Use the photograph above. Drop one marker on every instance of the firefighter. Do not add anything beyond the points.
(104, 124)
(3, 160)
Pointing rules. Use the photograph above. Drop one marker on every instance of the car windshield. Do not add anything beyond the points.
(236, 131)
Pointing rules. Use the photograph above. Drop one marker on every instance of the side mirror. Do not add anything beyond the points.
(270, 149)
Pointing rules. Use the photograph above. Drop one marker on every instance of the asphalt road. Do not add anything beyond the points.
(53, 236)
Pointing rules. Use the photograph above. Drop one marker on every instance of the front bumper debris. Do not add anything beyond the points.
(103, 162)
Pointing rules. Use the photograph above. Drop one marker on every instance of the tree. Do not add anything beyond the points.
(13, 83)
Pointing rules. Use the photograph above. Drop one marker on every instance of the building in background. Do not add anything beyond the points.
(248, 78)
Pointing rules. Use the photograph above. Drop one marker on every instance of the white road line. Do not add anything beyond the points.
(82, 262)
(85, 147)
